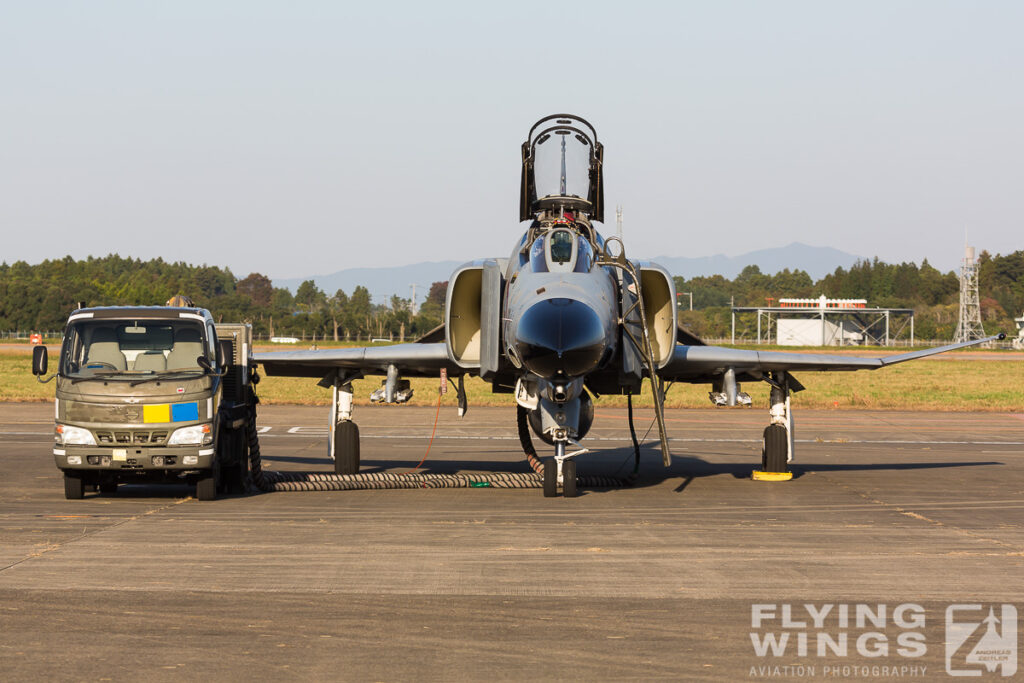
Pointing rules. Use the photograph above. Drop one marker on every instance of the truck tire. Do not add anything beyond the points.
(346, 448)
(74, 487)
(208, 487)
(776, 449)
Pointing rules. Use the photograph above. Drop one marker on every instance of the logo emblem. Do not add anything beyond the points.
(981, 638)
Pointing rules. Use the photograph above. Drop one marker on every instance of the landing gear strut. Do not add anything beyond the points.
(777, 447)
(342, 432)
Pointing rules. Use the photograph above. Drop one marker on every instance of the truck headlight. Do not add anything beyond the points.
(194, 435)
(73, 436)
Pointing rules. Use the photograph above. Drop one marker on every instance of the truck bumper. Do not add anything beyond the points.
(127, 460)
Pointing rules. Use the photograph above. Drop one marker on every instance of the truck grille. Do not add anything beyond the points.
(132, 437)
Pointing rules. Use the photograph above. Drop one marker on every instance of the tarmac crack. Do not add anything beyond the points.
(89, 534)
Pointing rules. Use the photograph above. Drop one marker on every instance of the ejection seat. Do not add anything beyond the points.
(105, 350)
(188, 346)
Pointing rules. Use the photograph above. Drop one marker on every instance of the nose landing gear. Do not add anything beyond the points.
(561, 469)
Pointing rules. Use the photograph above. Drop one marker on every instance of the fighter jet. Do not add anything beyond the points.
(565, 317)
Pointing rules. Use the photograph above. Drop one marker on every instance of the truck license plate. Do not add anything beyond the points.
(121, 454)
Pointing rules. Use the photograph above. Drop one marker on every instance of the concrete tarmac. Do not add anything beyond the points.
(656, 581)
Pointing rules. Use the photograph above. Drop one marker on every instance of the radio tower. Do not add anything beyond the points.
(969, 327)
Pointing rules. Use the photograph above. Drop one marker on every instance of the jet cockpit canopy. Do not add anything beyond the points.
(562, 168)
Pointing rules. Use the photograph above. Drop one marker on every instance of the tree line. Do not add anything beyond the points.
(40, 296)
(934, 296)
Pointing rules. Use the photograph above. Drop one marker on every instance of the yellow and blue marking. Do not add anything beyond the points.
(170, 412)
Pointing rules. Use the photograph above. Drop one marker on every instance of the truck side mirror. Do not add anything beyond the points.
(225, 352)
(40, 360)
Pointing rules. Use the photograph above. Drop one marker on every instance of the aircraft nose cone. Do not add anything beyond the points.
(560, 337)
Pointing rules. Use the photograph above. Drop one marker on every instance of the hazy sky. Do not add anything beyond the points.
(300, 138)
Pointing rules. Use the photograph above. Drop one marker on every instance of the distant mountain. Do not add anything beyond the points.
(817, 261)
(385, 282)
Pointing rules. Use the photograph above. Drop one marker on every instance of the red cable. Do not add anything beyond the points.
(432, 432)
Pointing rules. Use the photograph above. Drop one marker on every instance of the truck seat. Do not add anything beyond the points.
(188, 346)
(151, 360)
(104, 348)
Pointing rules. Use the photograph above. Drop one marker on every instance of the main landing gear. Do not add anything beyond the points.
(777, 446)
(342, 432)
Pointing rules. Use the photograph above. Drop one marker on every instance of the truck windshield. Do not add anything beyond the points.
(132, 349)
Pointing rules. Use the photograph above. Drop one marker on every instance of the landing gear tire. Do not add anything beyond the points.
(74, 487)
(108, 488)
(776, 447)
(346, 448)
(550, 478)
(569, 478)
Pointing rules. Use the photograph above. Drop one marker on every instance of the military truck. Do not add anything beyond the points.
(152, 394)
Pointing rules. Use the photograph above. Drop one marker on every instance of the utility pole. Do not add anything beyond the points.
(969, 326)
(689, 294)
(618, 221)
(412, 305)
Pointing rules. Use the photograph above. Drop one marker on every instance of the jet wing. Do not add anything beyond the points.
(705, 363)
(412, 360)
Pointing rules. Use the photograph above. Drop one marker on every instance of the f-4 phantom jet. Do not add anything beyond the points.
(566, 316)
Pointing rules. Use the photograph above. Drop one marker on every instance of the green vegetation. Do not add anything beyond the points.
(934, 296)
(40, 297)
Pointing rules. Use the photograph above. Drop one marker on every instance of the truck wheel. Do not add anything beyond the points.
(346, 448)
(208, 487)
(74, 488)
(776, 447)
(108, 488)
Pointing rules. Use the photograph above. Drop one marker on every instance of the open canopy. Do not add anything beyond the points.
(562, 168)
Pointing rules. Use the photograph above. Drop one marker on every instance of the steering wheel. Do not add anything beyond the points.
(92, 364)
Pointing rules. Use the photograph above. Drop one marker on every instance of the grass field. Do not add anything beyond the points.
(959, 385)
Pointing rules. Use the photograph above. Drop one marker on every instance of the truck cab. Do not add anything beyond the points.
(150, 394)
